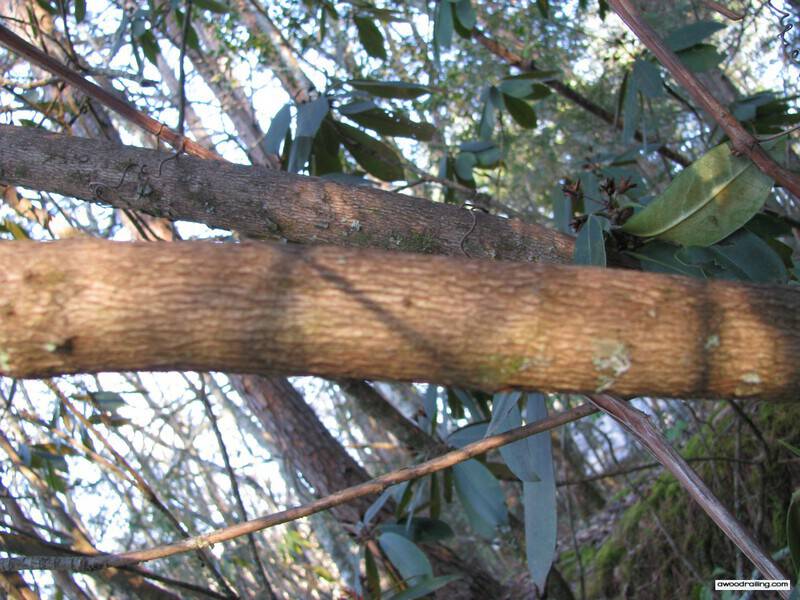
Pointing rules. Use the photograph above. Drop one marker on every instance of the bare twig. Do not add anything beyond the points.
(374, 486)
(261, 572)
(16, 44)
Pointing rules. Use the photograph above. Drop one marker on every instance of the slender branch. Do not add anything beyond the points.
(643, 430)
(187, 20)
(374, 486)
(742, 140)
(570, 93)
(261, 572)
(16, 44)
(145, 488)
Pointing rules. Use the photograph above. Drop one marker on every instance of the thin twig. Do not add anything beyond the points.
(373, 486)
(261, 572)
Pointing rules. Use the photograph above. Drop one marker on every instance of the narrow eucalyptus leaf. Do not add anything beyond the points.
(390, 89)
(481, 496)
(590, 247)
(370, 37)
(405, 555)
(539, 498)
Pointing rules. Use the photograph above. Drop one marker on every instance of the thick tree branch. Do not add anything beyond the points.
(91, 305)
(372, 487)
(743, 141)
(261, 202)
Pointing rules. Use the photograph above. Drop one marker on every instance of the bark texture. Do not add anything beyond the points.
(261, 202)
(91, 305)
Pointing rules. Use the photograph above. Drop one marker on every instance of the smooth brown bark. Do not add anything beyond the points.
(90, 305)
(261, 202)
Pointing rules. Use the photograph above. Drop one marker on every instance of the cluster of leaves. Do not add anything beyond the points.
(477, 489)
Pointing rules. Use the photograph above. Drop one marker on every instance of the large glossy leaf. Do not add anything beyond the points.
(407, 558)
(793, 529)
(706, 202)
(590, 247)
(370, 37)
(393, 123)
(691, 35)
(374, 156)
(443, 26)
(465, 14)
(539, 498)
(468, 434)
(309, 118)
(481, 496)
(648, 78)
(701, 57)
(390, 89)
(750, 258)
(520, 111)
(659, 257)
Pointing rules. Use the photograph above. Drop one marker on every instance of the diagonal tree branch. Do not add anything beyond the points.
(742, 140)
(372, 487)
(643, 430)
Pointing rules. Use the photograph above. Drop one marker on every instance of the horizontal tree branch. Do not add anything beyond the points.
(372, 487)
(90, 305)
(261, 202)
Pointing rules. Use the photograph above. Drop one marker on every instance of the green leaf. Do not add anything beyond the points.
(393, 123)
(407, 558)
(647, 77)
(491, 100)
(212, 5)
(278, 129)
(80, 10)
(691, 35)
(706, 202)
(590, 246)
(422, 529)
(750, 257)
(465, 162)
(374, 156)
(544, 8)
(659, 257)
(442, 27)
(468, 434)
(631, 109)
(524, 87)
(793, 529)
(520, 111)
(700, 58)
(373, 577)
(793, 449)
(370, 37)
(390, 89)
(465, 14)
(481, 496)
(325, 150)
(539, 497)
(150, 46)
(425, 587)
